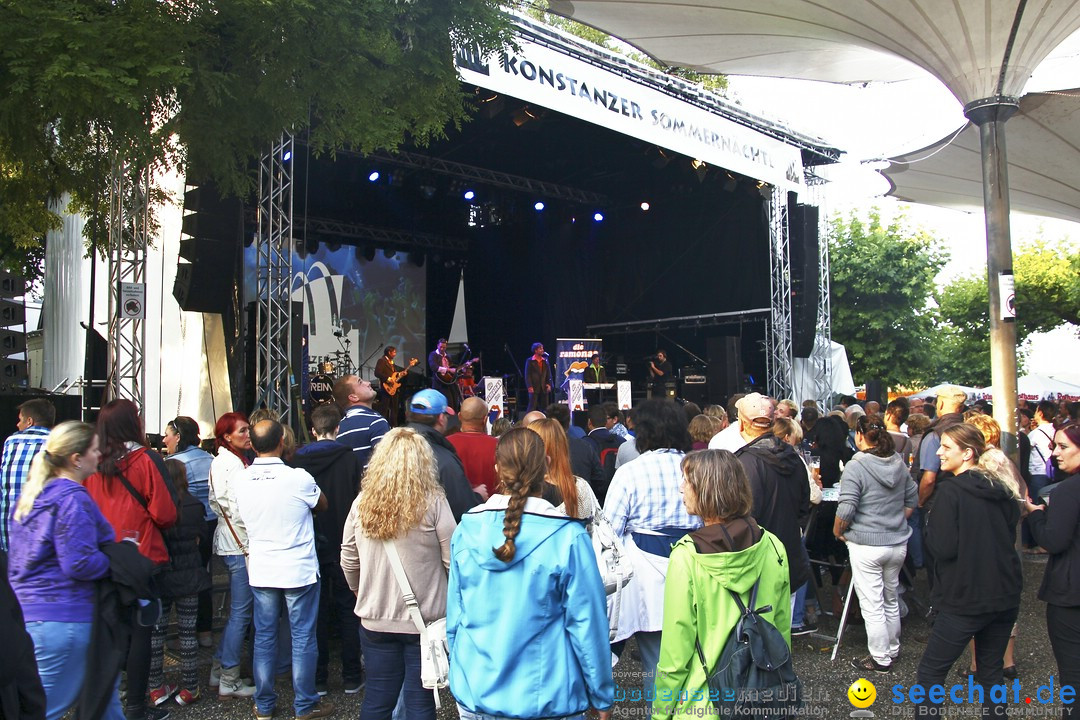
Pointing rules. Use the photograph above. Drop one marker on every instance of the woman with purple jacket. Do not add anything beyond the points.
(57, 534)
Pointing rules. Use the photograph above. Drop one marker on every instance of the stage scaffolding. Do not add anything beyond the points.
(273, 279)
(820, 360)
(778, 332)
(129, 234)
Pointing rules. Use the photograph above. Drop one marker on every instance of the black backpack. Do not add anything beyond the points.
(755, 676)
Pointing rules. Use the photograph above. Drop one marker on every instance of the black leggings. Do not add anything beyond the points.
(1063, 626)
(138, 670)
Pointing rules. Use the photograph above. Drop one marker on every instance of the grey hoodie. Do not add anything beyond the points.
(873, 494)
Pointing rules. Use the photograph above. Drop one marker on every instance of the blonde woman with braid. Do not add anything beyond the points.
(402, 501)
(57, 536)
(526, 617)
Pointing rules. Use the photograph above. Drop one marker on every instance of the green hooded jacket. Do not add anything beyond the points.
(696, 597)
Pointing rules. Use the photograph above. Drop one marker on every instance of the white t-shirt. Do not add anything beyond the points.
(275, 502)
(729, 439)
(1040, 438)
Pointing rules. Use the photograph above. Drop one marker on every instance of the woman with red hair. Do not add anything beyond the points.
(232, 435)
(132, 495)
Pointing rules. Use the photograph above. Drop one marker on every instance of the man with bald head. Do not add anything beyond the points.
(476, 448)
(531, 417)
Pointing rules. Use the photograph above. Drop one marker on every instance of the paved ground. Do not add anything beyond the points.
(825, 681)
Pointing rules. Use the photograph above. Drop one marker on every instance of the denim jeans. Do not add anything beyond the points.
(303, 606)
(649, 645)
(949, 637)
(230, 649)
(336, 598)
(466, 714)
(60, 650)
(393, 666)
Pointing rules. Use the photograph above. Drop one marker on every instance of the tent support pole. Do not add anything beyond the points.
(990, 115)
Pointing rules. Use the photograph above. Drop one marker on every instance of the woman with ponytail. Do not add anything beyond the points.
(526, 618)
(57, 534)
(877, 495)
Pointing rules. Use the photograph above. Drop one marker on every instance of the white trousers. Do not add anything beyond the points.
(875, 572)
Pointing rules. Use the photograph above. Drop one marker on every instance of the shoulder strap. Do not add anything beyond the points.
(406, 589)
(228, 523)
(134, 493)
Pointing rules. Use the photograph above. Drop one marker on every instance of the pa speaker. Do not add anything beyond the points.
(725, 367)
(805, 247)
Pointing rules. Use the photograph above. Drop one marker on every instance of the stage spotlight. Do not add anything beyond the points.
(374, 176)
(538, 206)
(645, 207)
(598, 217)
(287, 156)
(469, 195)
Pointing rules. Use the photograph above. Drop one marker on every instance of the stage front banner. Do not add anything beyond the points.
(562, 82)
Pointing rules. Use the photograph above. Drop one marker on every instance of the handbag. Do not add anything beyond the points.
(614, 565)
(434, 650)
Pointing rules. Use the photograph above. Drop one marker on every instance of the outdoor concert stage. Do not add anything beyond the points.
(564, 223)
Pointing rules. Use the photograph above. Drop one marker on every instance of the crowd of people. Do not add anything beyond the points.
(370, 534)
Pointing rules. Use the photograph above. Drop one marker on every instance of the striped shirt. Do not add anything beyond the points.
(19, 450)
(361, 429)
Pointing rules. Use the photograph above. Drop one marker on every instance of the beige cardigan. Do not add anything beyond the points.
(425, 555)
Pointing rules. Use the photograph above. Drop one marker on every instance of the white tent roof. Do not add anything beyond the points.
(978, 49)
(1037, 387)
(1044, 162)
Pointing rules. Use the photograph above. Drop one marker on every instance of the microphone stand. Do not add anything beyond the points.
(517, 369)
(368, 358)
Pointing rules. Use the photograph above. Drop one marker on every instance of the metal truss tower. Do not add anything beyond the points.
(778, 331)
(273, 278)
(821, 358)
(129, 235)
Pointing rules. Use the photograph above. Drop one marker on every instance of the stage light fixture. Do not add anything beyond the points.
(645, 207)
(287, 156)
(697, 163)
(538, 206)
(470, 195)
(374, 176)
(598, 217)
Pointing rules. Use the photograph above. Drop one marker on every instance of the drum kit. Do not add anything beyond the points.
(323, 370)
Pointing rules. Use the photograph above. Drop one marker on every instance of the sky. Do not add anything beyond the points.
(881, 120)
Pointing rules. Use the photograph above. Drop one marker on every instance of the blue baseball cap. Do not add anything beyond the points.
(428, 402)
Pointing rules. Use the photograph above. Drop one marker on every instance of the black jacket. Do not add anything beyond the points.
(781, 497)
(21, 695)
(186, 573)
(337, 472)
(1057, 530)
(828, 440)
(459, 493)
(585, 463)
(971, 532)
(603, 439)
(130, 578)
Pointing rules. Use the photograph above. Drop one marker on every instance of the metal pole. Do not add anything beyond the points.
(990, 115)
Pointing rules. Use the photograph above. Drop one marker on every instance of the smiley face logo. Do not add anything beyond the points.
(862, 693)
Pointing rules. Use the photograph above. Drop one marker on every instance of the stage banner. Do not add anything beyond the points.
(572, 357)
(495, 397)
(622, 390)
(559, 79)
(577, 393)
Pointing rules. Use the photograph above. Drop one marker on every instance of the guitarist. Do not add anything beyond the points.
(444, 375)
(390, 375)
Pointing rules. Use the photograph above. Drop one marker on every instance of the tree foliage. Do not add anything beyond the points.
(881, 284)
(1047, 279)
(208, 84)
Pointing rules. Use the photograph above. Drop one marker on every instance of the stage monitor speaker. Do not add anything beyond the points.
(725, 367)
(804, 245)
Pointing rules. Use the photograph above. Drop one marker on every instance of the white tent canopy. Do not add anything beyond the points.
(1044, 162)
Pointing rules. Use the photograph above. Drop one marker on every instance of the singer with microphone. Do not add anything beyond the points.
(538, 378)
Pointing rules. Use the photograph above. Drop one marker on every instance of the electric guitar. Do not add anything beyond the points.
(449, 375)
(394, 381)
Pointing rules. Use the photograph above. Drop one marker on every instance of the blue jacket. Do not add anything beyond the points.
(528, 638)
